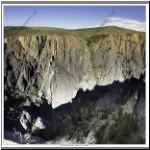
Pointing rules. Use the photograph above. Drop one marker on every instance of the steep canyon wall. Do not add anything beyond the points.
(57, 66)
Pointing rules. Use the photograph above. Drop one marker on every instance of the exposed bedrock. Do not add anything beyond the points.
(57, 66)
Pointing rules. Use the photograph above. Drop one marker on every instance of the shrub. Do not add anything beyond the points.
(112, 132)
(11, 98)
(99, 134)
(34, 91)
(123, 126)
(12, 103)
(104, 115)
(96, 38)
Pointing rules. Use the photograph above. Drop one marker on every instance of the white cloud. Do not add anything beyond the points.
(126, 23)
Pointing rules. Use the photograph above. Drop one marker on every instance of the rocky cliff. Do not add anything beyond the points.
(86, 86)
(56, 66)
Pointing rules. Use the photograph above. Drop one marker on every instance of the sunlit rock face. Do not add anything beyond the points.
(57, 66)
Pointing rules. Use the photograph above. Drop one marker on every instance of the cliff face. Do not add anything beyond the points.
(57, 66)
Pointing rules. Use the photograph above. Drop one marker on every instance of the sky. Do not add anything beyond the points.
(74, 17)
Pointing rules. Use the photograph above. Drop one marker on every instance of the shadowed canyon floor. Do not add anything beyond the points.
(107, 114)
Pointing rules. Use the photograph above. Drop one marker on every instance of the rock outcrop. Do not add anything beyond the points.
(56, 66)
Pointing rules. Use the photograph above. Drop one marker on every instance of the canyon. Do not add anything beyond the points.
(56, 66)
(57, 78)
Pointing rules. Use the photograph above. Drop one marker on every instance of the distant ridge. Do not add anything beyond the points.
(84, 32)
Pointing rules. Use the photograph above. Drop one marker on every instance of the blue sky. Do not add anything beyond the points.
(72, 17)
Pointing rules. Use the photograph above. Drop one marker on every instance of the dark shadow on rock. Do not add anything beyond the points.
(99, 91)
(67, 117)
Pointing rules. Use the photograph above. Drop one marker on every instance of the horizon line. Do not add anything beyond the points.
(72, 28)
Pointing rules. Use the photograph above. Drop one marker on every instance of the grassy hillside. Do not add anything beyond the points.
(83, 33)
(88, 32)
(28, 31)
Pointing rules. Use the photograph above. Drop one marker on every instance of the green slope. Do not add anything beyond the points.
(83, 33)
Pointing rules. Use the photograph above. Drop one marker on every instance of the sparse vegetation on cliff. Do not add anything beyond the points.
(96, 38)
(117, 132)
(34, 91)
(94, 68)
(122, 128)
(100, 134)
(12, 104)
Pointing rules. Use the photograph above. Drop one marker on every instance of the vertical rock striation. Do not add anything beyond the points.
(57, 66)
